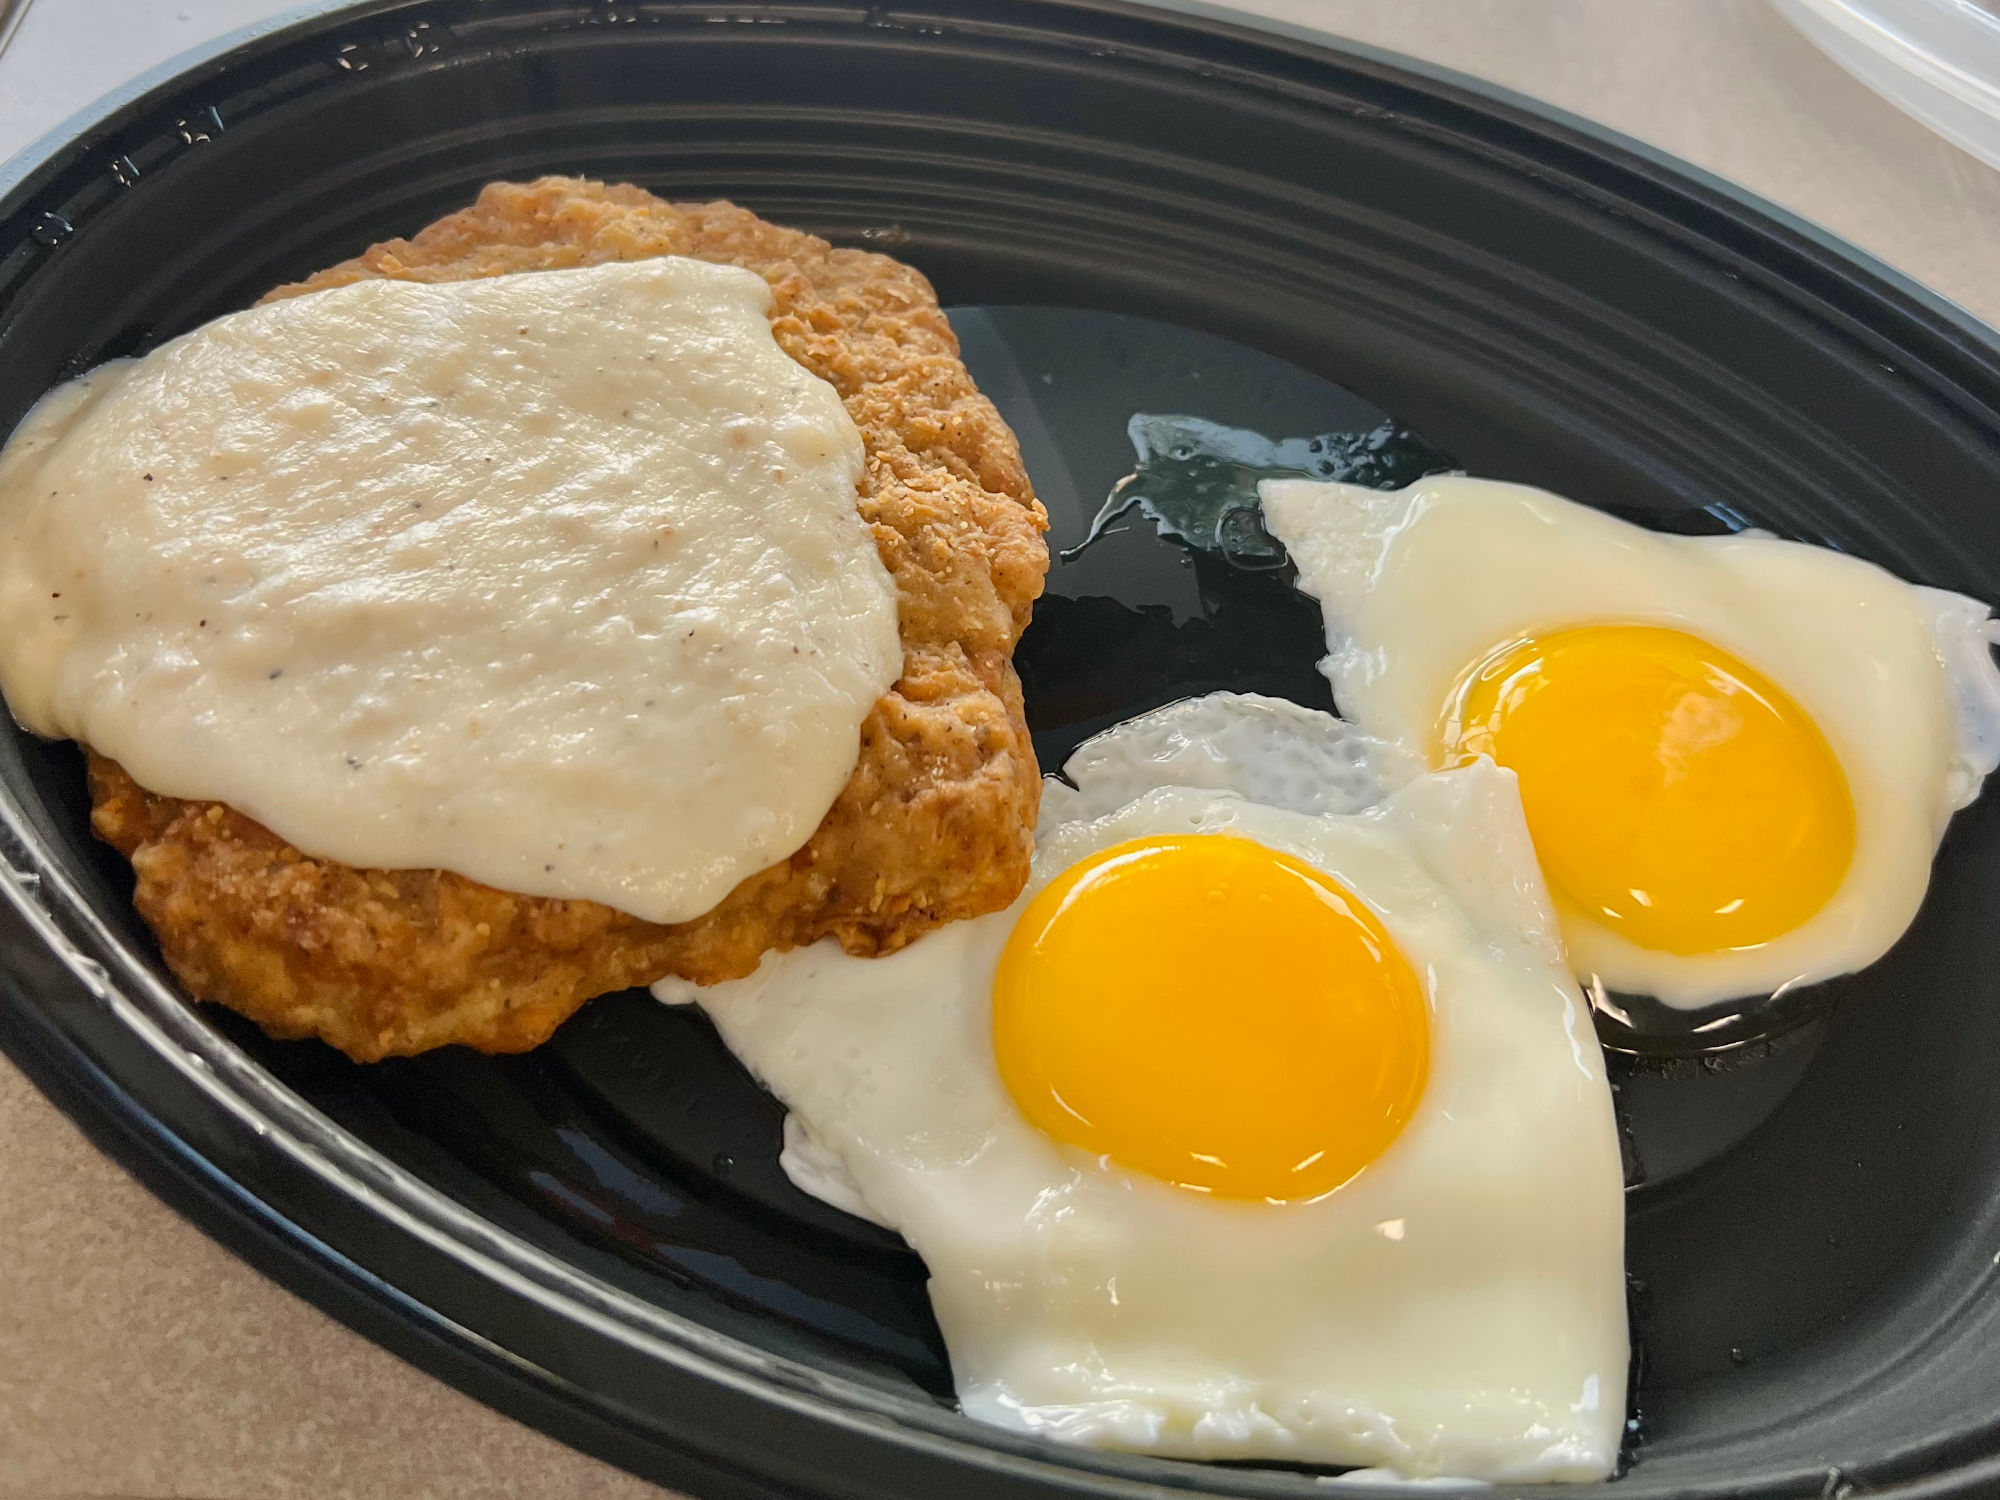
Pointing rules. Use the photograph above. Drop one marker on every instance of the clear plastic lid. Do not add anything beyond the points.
(1938, 60)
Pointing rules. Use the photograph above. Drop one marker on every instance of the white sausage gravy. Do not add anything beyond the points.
(554, 579)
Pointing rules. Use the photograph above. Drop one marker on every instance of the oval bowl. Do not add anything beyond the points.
(592, 1237)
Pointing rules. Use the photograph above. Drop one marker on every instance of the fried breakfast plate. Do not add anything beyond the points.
(1178, 252)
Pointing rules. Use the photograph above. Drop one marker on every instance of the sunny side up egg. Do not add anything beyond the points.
(1737, 754)
(1268, 1123)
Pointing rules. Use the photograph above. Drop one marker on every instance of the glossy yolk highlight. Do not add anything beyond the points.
(1213, 1013)
(1673, 792)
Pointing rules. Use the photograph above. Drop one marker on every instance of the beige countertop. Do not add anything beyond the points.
(137, 1359)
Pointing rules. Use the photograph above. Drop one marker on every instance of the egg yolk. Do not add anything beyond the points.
(1218, 1015)
(1673, 793)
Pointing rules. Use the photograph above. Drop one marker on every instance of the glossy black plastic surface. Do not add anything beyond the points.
(593, 1237)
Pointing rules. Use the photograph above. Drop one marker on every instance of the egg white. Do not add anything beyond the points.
(1457, 1308)
(1419, 584)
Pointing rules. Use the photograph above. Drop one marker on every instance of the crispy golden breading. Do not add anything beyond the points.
(935, 824)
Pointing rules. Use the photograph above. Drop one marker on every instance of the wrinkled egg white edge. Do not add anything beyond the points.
(809, 1166)
(1199, 743)
(1390, 1479)
(1966, 634)
(820, 1173)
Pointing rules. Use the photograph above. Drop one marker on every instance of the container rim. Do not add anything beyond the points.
(44, 904)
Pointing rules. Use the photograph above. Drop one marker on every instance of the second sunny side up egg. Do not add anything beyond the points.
(1267, 1123)
(1736, 754)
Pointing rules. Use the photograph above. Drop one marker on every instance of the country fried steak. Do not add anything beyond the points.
(935, 824)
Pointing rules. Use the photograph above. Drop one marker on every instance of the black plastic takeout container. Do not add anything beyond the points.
(592, 1237)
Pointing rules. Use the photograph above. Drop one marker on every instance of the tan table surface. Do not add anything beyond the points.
(137, 1359)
